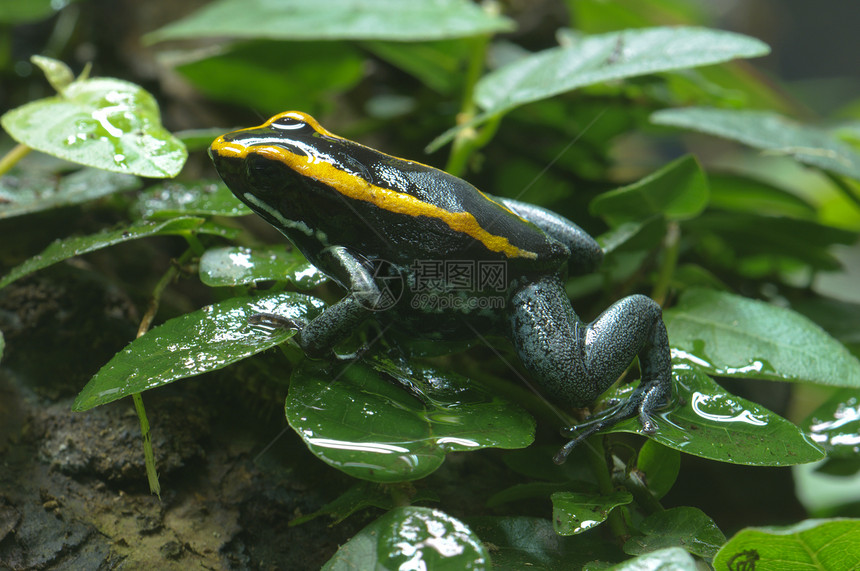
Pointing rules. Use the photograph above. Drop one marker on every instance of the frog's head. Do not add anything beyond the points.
(288, 169)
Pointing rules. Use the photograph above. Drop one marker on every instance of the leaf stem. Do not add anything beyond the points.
(597, 459)
(672, 244)
(145, 324)
(465, 141)
(11, 158)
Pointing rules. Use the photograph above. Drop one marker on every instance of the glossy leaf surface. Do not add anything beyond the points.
(819, 545)
(198, 342)
(355, 418)
(659, 466)
(202, 198)
(708, 422)
(105, 123)
(342, 20)
(412, 538)
(574, 512)
(769, 132)
(31, 191)
(609, 57)
(835, 425)
(733, 336)
(677, 191)
(232, 266)
(683, 526)
(66, 248)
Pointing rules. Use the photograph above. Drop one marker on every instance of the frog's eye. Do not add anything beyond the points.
(291, 123)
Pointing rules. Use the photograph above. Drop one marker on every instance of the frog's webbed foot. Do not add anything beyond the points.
(646, 399)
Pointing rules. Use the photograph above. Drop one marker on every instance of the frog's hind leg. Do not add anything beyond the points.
(575, 363)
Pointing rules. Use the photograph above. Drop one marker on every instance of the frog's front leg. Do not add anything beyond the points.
(336, 322)
(576, 362)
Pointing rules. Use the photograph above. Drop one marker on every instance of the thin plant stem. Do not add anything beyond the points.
(11, 158)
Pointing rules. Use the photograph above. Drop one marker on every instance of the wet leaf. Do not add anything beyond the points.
(342, 20)
(198, 342)
(36, 192)
(355, 418)
(677, 191)
(659, 466)
(820, 545)
(673, 558)
(733, 336)
(683, 526)
(708, 422)
(202, 198)
(769, 132)
(532, 543)
(58, 74)
(575, 512)
(232, 266)
(105, 123)
(609, 57)
(66, 248)
(835, 425)
(412, 538)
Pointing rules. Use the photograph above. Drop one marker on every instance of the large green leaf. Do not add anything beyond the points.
(609, 57)
(412, 538)
(532, 543)
(232, 266)
(684, 526)
(770, 132)
(202, 198)
(708, 422)
(66, 248)
(733, 336)
(336, 20)
(204, 340)
(576, 512)
(268, 77)
(814, 545)
(21, 11)
(32, 191)
(353, 417)
(677, 191)
(105, 123)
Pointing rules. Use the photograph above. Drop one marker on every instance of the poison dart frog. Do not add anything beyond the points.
(364, 217)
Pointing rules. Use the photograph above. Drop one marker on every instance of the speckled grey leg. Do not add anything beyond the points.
(574, 362)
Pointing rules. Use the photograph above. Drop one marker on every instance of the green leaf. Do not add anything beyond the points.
(678, 191)
(770, 132)
(532, 543)
(75, 246)
(574, 512)
(232, 266)
(708, 422)
(58, 74)
(821, 545)
(673, 558)
(412, 538)
(659, 466)
(336, 20)
(104, 123)
(356, 418)
(201, 198)
(437, 64)
(755, 237)
(36, 192)
(609, 57)
(733, 336)
(21, 11)
(685, 527)
(743, 194)
(835, 424)
(264, 75)
(198, 342)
